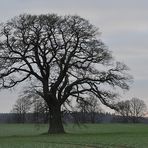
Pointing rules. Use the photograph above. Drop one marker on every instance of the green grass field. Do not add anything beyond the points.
(85, 136)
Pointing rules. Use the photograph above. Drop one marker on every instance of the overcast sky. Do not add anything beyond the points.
(124, 28)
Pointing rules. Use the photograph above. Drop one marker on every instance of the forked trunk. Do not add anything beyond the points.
(55, 122)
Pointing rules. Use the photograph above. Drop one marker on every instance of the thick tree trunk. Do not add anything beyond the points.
(55, 122)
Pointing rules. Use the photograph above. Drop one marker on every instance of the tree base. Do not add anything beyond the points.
(55, 122)
(56, 131)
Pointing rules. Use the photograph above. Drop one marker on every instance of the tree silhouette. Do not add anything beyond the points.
(138, 109)
(61, 57)
(89, 107)
(133, 109)
(21, 108)
(124, 110)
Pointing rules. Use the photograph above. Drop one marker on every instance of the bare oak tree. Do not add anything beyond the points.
(124, 110)
(61, 57)
(21, 108)
(132, 109)
(40, 110)
(31, 101)
(89, 106)
(138, 109)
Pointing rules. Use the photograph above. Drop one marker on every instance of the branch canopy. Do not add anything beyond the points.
(61, 56)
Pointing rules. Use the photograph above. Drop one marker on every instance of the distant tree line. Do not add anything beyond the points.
(35, 110)
(74, 117)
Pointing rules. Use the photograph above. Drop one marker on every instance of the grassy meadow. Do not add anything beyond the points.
(84, 136)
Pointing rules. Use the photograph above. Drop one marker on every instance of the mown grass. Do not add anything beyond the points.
(85, 136)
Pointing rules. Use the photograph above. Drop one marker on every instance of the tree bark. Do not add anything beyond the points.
(55, 121)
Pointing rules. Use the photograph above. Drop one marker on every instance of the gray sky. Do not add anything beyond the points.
(124, 28)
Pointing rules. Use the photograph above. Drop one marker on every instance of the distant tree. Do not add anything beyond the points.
(90, 106)
(37, 106)
(40, 110)
(138, 109)
(132, 109)
(124, 110)
(94, 108)
(21, 108)
(62, 58)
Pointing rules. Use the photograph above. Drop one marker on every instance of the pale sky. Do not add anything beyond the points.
(124, 28)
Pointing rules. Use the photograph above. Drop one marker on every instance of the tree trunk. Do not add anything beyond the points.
(55, 121)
